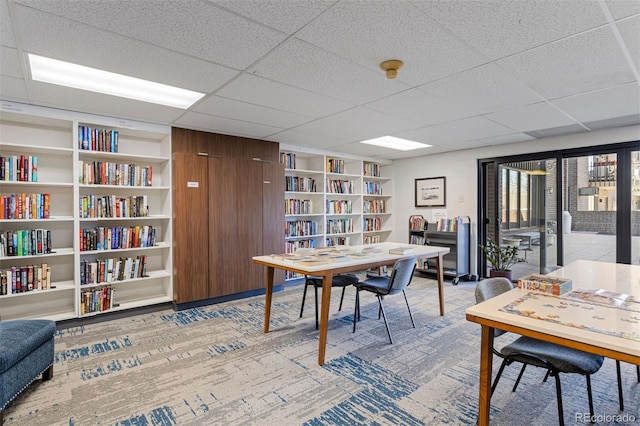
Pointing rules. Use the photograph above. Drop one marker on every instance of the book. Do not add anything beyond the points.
(401, 250)
(545, 284)
(605, 297)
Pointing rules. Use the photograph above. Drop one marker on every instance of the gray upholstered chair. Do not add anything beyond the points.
(386, 286)
(340, 280)
(554, 358)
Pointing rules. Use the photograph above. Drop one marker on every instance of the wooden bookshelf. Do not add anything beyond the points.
(56, 137)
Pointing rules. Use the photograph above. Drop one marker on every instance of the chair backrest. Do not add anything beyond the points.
(491, 287)
(402, 274)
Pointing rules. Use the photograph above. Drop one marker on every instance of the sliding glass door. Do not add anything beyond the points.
(528, 218)
(561, 206)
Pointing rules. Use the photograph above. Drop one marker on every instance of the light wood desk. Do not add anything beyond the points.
(584, 275)
(351, 264)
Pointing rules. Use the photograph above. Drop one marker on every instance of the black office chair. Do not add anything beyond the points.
(386, 286)
(554, 358)
(619, 373)
(340, 280)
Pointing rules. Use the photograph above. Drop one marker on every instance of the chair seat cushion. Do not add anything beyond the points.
(565, 360)
(377, 285)
(340, 280)
(21, 337)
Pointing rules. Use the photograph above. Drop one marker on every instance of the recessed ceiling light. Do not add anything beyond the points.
(67, 74)
(396, 143)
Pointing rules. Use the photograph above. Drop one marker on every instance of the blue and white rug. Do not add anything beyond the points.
(214, 366)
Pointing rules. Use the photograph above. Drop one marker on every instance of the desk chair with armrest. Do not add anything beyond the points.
(554, 358)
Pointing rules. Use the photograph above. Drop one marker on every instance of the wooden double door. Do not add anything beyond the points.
(226, 210)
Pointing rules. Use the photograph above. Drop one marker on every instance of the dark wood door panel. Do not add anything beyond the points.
(190, 228)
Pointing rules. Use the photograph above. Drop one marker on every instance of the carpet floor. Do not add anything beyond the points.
(213, 365)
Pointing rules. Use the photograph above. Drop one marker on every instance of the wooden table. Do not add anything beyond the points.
(584, 275)
(351, 264)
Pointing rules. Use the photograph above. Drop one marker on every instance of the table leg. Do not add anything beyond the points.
(440, 274)
(324, 315)
(486, 362)
(267, 299)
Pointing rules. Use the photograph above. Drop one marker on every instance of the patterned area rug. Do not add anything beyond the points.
(214, 365)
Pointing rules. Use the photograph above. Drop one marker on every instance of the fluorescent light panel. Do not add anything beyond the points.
(67, 74)
(396, 143)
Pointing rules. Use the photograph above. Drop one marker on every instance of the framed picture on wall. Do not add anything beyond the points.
(431, 192)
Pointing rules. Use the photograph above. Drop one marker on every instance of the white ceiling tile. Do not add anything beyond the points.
(10, 62)
(473, 128)
(604, 104)
(504, 139)
(230, 108)
(630, 32)
(65, 40)
(97, 103)
(353, 31)
(341, 132)
(364, 150)
(190, 27)
(500, 28)
(6, 27)
(587, 62)
(483, 89)
(288, 16)
(531, 117)
(623, 8)
(431, 135)
(223, 125)
(306, 139)
(370, 120)
(302, 65)
(12, 89)
(421, 107)
(267, 93)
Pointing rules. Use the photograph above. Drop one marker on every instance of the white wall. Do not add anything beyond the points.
(460, 169)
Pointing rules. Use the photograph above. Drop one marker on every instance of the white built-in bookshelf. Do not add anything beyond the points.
(109, 235)
(334, 201)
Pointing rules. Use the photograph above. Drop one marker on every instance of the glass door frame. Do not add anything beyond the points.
(491, 226)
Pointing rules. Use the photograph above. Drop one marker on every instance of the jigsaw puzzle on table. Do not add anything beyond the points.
(580, 314)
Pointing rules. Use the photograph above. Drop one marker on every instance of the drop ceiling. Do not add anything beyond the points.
(306, 72)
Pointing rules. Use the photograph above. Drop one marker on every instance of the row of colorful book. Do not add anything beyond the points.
(21, 279)
(100, 271)
(25, 242)
(299, 184)
(288, 159)
(93, 139)
(113, 206)
(374, 206)
(119, 174)
(295, 206)
(299, 228)
(117, 237)
(339, 186)
(19, 168)
(373, 188)
(339, 207)
(97, 300)
(25, 206)
(339, 226)
(371, 224)
(447, 225)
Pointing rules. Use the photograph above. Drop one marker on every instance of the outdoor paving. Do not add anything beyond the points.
(577, 245)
